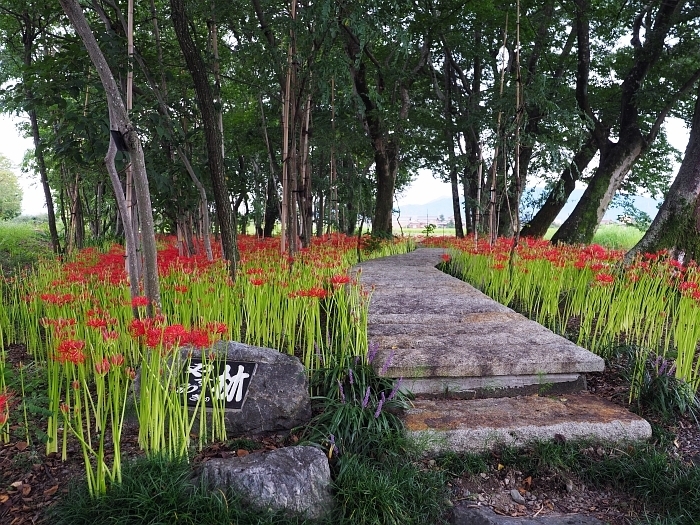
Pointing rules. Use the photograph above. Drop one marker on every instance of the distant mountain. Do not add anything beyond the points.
(444, 207)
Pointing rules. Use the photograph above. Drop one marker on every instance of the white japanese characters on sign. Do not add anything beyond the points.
(217, 382)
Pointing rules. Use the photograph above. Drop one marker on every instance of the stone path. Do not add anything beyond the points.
(482, 373)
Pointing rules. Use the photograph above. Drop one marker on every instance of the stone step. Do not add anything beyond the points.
(481, 424)
(441, 335)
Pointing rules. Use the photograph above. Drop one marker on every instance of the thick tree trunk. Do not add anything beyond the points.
(676, 226)
(386, 167)
(615, 164)
(212, 135)
(560, 193)
(617, 159)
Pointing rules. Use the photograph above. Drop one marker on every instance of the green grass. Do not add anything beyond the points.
(615, 236)
(22, 244)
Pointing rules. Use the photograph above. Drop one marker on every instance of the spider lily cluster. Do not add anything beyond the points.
(587, 293)
(76, 319)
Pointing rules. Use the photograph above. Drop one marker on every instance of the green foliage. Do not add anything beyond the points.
(356, 407)
(22, 245)
(660, 391)
(159, 492)
(391, 491)
(10, 191)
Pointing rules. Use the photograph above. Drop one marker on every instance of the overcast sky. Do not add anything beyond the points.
(424, 189)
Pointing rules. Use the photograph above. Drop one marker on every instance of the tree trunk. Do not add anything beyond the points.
(560, 193)
(212, 135)
(39, 155)
(676, 226)
(617, 158)
(123, 129)
(615, 163)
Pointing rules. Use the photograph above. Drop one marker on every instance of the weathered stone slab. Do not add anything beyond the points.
(296, 479)
(464, 515)
(278, 394)
(494, 386)
(480, 424)
(431, 325)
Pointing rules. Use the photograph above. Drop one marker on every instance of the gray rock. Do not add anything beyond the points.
(296, 479)
(485, 516)
(516, 497)
(278, 395)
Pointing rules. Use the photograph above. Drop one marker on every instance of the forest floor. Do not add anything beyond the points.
(31, 481)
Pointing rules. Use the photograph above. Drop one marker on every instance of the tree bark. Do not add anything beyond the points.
(123, 128)
(617, 159)
(560, 193)
(676, 226)
(212, 134)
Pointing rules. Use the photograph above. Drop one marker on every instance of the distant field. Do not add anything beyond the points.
(616, 236)
(21, 245)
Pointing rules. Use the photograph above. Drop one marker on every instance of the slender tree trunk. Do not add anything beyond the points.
(39, 155)
(123, 129)
(205, 100)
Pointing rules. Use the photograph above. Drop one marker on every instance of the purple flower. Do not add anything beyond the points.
(379, 406)
(365, 401)
(372, 351)
(397, 385)
(342, 393)
(351, 376)
(333, 448)
(386, 364)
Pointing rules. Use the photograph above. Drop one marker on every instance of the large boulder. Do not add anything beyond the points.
(277, 396)
(296, 479)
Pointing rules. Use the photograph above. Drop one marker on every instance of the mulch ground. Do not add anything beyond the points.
(31, 481)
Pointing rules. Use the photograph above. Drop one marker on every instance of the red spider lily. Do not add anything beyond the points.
(217, 328)
(255, 271)
(604, 278)
(70, 345)
(57, 299)
(445, 257)
(339, 280)
(75, 385)
(130, 373)
(5, 399)
(65, 408)
(315, 291)
(96, 323)
(102, 367)
(116, 360)
(257, 282)
(180, 288)
(110, 335)
(139, 301)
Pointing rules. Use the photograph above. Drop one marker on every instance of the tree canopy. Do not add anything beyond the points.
(313, 114)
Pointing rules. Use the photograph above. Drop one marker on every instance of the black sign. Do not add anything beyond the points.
(223, 383)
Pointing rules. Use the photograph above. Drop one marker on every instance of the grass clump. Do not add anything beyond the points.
(157, 491)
